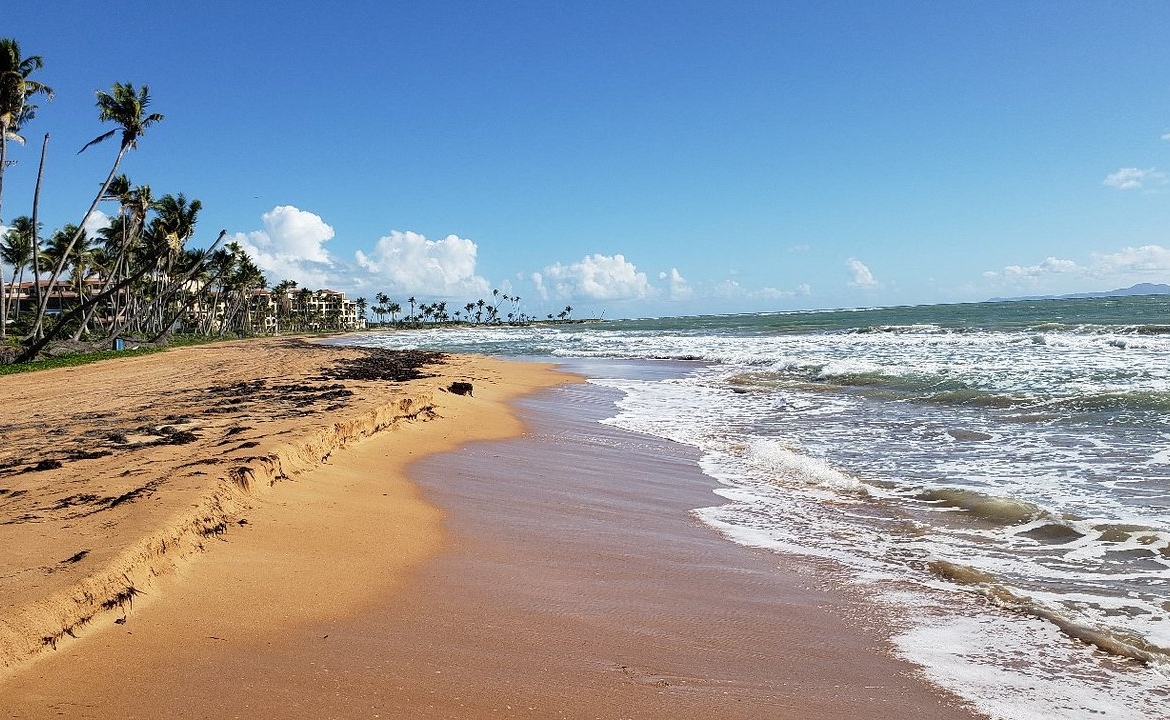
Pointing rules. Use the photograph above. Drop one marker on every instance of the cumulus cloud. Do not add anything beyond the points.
(407, 262)
(1135, 178)
(1126, 266)
(677, 286)
(1147, 260)
(291, 246)
(860, 275)
(95, 221)
(595, 277)
(1050, 266)
(1166, 136)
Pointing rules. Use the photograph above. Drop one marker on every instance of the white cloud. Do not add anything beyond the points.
(1135, 178)
(95, 221)
(1105, 270)
(1050, 266)
(409, 263)
(291, 246)
(1166, 136)
(595, 277)
(678, 287)
(860, 275)
(1147, 260)
(802, 248)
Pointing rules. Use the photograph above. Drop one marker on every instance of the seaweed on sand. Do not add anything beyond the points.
(385, 365)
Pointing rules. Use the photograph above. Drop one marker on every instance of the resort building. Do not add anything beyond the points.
(258, 311)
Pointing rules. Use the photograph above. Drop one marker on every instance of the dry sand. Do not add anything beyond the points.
(112, 474)
(556, 575)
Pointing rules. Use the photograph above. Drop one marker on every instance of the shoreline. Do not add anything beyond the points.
(580, 583)
(376, 582)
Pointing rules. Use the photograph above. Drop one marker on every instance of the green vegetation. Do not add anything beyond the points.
(137, 278)
(85, 358)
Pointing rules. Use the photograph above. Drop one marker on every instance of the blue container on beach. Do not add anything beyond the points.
(119, 344)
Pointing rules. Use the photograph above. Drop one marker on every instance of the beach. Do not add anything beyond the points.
(401, 551)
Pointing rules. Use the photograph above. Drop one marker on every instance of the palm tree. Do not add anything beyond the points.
(16, 250)
(56, 254)
(381, 308)
(282, 295)
(361, 306)
(126, 107)
(84, 261)
(411, 301)
(394, 308)
(15, 88)
(164, 240)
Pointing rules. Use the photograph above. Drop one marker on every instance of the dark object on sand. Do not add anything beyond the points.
(44, 465)
(383, 364)
(460, 388)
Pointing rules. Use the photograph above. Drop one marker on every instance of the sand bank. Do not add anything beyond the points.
(113, 474)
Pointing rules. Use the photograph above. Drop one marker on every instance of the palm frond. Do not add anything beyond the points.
(96, 140)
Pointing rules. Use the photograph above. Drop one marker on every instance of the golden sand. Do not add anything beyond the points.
(251, 546)
(113, 475)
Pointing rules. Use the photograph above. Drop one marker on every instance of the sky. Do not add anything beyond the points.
(632, 159)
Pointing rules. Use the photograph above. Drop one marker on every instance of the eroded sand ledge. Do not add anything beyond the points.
(113, 474)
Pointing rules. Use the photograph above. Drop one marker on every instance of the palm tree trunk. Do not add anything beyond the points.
(80, 229)
(36, 242)
(161, 298)
(3, 162)
(30, 352)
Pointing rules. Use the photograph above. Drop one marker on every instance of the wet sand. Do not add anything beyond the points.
(578, 585)
(558, 574)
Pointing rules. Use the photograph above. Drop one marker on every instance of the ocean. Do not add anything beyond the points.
(995, 477)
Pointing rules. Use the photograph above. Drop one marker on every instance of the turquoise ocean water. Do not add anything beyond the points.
(995, 477)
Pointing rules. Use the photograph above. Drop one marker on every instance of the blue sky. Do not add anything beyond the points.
(635, 158)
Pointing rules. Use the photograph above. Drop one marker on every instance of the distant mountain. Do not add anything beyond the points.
(1139, 289)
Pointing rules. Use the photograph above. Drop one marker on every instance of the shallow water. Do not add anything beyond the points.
(997, 475)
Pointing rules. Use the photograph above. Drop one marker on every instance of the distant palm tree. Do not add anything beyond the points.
(380, 309)
(411, 301)
(394, 309)
(126, 107)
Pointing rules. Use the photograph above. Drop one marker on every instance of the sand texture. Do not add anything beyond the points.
(112, 474)
(553, 572)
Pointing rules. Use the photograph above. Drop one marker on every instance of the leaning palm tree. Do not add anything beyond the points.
(15, 88)
(125, 107)
(166, 236)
